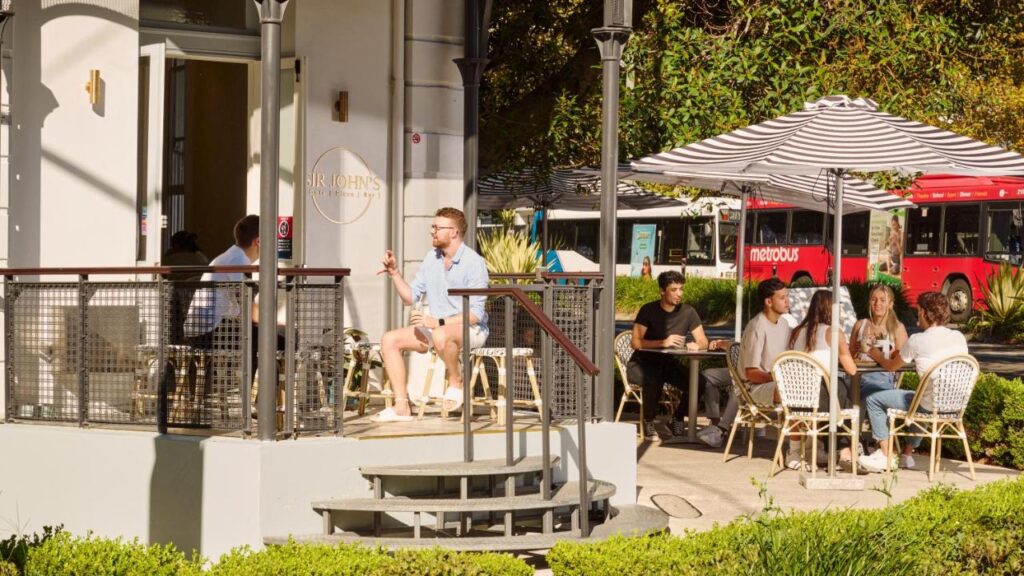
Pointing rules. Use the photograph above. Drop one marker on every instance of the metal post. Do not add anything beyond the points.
(509, 381)
(271, 15)
(610, 40)
(472, 68)
(164, 299)
(545, 396)
(833, 361)
(290, 294)
(10, 297)
(581, 456)
(246, 347)
(338, 354)
(740, 246)
(467, 392)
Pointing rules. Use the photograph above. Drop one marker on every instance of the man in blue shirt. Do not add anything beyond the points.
(449, 264)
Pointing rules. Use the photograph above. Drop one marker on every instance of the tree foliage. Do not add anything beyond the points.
(695, 68)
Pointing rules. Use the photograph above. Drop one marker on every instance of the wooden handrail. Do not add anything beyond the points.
(534, 311)
(95, 271)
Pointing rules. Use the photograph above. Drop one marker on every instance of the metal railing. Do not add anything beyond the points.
(563, 326)
(169, 352)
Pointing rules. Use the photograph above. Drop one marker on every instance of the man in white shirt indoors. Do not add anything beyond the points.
(924, 349)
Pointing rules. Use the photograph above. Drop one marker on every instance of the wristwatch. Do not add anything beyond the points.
(440, 322)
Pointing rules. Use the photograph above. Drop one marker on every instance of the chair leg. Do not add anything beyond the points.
(622, 404)
(425, 395)
(751, 427)
(934, 455)
(531, 375)
(967, 448)
(889, 443)
(728, 444)
(486, 384)
(854, 443)
(777, 460)
(814, 453)
(503, 395)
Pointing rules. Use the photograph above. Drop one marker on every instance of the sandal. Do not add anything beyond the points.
(389, 414)
(452, 399)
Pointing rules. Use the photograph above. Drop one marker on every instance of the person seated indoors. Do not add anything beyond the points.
(813, 336)
(879, 328)
(663, 323)
(924, 350)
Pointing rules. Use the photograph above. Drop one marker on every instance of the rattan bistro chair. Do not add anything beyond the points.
(630, 392)
(798, 376)
(750, 413)
(950, 382)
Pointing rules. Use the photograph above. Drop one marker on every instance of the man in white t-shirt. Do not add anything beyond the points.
(924, 350)
(765, 337)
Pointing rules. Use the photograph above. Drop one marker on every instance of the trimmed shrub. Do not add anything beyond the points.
(440, 562)
(295, 559)
(8, 569)
(941, 531)
(632, 293)
(64, 555)
(14, 550)
(714, 299)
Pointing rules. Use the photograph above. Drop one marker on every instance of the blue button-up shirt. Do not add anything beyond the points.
(469, 270)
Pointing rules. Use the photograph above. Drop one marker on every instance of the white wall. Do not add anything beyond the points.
(213, 494)
(74, 163)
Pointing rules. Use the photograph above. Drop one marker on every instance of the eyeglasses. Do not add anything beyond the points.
(434, 228)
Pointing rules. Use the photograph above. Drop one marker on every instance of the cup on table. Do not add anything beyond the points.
(885, 346)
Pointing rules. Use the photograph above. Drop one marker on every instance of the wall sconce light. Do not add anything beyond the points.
(342, 106)
(93, 86)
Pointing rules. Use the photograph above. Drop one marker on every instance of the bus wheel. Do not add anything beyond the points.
(958, 291)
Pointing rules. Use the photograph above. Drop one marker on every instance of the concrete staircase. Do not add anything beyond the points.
(481, 505)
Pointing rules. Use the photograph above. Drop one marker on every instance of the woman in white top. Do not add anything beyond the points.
(924, 350)
(812, 336)
(880, 327)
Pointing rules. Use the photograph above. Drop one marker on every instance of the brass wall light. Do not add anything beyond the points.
(342, 106)
(93, 86)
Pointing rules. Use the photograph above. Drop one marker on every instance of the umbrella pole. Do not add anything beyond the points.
(740, 241)
(833, 364)
(544, 238)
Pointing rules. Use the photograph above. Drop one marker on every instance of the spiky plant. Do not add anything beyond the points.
(508, 251)
(1003, 294)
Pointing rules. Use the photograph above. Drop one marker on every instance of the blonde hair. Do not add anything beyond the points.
(892, 323)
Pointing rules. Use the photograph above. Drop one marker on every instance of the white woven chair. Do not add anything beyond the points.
(798, 377)
(950, 382)
(751, 413)
(496, 406)
(630, 392)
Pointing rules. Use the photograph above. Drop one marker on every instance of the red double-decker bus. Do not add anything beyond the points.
(962, 228)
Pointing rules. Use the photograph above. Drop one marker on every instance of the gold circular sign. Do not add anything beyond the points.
(341, 184)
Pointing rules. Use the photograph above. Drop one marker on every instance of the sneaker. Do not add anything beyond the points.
(678, 427)
(793, 455)
(907, 461)
(874, 462)
(711, 435)
(651, 432)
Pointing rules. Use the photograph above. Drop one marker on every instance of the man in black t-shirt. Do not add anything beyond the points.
(664, 323)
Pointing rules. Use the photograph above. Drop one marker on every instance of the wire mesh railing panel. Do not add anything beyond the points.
(573, 313)
(121, 335)
(316, 392)
(43, 351)
(206, 375)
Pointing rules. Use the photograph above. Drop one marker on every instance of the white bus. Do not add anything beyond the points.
(703, 233)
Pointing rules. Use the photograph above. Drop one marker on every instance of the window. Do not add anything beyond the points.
(673, 241)
(771, 228)
(700, 242)
(200, 14)
(960, 236)
(855, 234)
(923, 226)
(727, 242)
(578, 235)
(1003, 230)
(748, 231)
(807, 227)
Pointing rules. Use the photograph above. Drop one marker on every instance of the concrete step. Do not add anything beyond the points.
(496, 467)
(565, 495)
(628, 520)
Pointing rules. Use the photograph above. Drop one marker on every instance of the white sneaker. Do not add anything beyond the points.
(711, 435)
(907, 461)
(793, 455)
(875, 462)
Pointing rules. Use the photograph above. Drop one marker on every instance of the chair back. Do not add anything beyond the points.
(949, 383)
(798, 376)
(739, 383)
(623, 345)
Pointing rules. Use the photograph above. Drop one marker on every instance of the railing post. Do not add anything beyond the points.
(163, 308)
(581, 459)
(545, 396)
(509, 381)
(83, 341)
(467, 392)
(245, 336)
(289, 354)
(10, 296)
(338, 354)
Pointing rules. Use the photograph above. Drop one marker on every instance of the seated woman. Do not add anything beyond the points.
(881, 325)
(812, 336)
(924, 350)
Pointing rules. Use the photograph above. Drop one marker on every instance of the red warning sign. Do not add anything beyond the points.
(284, 237)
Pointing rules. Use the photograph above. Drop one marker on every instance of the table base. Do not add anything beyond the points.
(824, 482)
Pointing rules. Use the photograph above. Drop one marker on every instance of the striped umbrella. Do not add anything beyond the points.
(836, 135)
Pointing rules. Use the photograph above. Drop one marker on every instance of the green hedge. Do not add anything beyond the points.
(14, 550)
(714, 299)
(65, 555)
(939, 532)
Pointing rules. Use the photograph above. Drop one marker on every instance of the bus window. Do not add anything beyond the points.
(960, 234)
(673, 242)
(624, 240)
(855, 234)
(748, 232)
(807, 227)
(700, 242)
(1003, 232)
(579, 235)
(923, 226)
(771, 228)
(727, 241)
